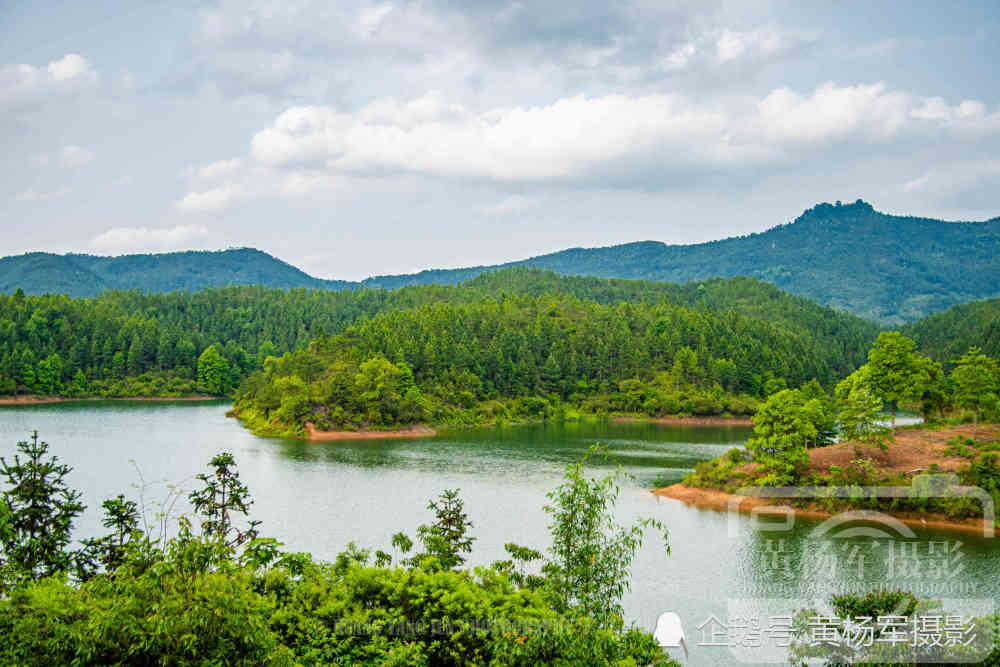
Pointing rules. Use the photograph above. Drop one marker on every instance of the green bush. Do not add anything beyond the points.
(224, 596)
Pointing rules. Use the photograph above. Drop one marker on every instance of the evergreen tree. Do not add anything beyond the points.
(222, 496)
(41, 510)
(447, 539)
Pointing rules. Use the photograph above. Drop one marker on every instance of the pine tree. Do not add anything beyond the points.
(222, 496)
(41, 509)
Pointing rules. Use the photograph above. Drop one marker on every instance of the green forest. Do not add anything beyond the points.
(946, 336)
(134, 344)
(536, 357)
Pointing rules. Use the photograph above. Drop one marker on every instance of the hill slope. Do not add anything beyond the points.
(946, 336)
(132, 343)
(891, 269)
(89, 275)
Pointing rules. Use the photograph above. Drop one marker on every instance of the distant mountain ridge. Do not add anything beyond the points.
(887, 268)
(89, 275)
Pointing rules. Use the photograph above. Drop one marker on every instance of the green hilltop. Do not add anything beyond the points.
(886, 268)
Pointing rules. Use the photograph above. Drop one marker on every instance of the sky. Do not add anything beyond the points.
(356, 139)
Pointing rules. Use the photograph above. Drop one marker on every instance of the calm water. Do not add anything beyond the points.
(318, 496)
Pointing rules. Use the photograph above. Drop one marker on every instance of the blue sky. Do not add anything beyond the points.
(354, 139)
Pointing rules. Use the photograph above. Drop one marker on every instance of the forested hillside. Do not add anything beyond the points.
(890, 269)
(946, 336)
(130, 343)
(89, 275)
(537, 356)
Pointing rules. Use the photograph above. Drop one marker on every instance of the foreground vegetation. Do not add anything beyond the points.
(219, 593)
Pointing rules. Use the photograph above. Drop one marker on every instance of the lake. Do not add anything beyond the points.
(316, 497)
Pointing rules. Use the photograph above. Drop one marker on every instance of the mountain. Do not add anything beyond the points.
(886, 268)
(89, 275)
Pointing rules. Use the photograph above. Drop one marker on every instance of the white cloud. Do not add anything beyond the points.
(969, 182)
(141, 239)
(614, 140)
(967, 115)
(208, 201)
(34, 195)
(733, 45)
(833, 112)
(75, 156)
(739, 52)
(215, 170)
(510, 205)
(555, 142)
(26, 85)
(680, 57)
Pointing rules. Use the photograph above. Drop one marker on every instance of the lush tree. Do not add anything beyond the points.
(447, 539)
(196, 599)
(378, 383)
(783, 427)
(222, 495)
(897, 372)
(40, 510)
(861, 409)
(936, 392)
(122, 517)
(80, 384)
(213, 371)
(976, 379)
(48, 376)
(591, 555)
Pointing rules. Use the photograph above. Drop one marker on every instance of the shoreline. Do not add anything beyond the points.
(44, 400)
(694, 421)
(719, 501)
(419, 431)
